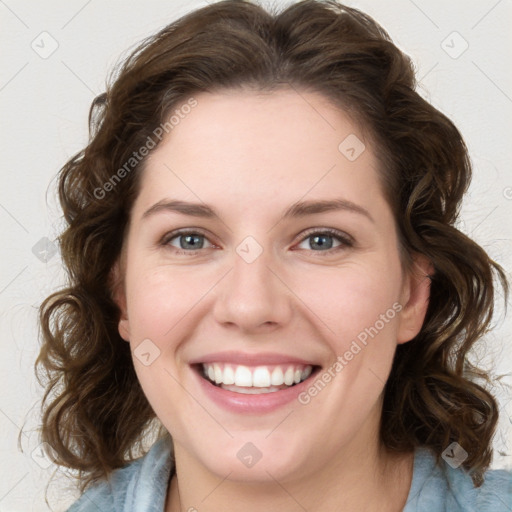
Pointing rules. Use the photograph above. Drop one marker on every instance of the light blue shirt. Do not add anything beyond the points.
(141, 486)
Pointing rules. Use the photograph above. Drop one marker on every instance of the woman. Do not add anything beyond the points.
(265, 275)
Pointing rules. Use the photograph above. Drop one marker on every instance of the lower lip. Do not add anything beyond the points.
(260, 403)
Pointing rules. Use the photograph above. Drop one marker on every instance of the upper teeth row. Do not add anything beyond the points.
(260, 376)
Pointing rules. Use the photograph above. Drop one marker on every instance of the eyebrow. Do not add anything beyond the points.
(300, 209)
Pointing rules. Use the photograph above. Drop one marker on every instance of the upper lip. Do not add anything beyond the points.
(244, 358)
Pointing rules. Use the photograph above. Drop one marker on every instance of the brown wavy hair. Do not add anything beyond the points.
(94, 412)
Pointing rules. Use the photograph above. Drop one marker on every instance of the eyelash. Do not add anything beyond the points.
(346, 240)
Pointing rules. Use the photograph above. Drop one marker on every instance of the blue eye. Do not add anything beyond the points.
(192, 241)
(189, 241)
(318, 239)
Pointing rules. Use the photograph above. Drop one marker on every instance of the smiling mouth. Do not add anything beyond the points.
(252, 380)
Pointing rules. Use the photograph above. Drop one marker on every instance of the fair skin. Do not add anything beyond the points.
(250, 156)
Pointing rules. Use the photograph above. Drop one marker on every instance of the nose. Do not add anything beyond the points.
(254, 296)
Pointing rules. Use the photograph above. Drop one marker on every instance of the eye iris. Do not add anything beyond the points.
(322, 245)
(188, 238)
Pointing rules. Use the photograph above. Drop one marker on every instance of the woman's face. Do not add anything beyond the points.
(264, 285)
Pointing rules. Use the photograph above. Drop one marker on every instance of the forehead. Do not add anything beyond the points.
(254, 148)
(258, 120)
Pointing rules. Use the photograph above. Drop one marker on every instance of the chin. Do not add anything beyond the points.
(252, 458)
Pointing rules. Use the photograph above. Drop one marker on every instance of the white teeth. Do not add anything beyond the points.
(306, 372)
(273, 379)
(243, 376)
(277, 377)
(261, 377)
(229, 375)
(288, 376)
(218, 373)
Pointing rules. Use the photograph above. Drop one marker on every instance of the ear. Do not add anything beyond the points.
(119, 297)
(415, 298)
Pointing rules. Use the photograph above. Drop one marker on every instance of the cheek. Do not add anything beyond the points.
(351, 299)
(155, 297)
(164, 302)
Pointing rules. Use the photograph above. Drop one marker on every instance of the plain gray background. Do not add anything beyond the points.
(55, 59)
